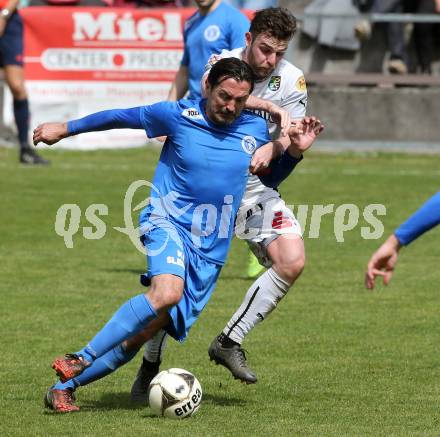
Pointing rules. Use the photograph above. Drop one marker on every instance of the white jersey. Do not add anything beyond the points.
(286, 88)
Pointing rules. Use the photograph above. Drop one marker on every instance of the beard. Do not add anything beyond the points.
(206, 4)
(263, 73)
(260, 73)
(224, 117)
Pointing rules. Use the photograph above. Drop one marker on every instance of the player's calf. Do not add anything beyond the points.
(146, 373)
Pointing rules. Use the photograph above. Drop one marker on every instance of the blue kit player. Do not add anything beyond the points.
(384, 260)
(188, 225)
(216, 26)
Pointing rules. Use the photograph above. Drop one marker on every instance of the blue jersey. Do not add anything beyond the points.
(204, 35)
(202, 172)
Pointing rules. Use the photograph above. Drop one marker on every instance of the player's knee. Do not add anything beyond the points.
(290, 267)
(164, 298)
(18, 90)
(172, 297)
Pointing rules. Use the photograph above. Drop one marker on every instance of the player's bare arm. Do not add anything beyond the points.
(265, 154)
(301, 135)
(383, 262)
(180, 85)
(280, 115)
(50, 133)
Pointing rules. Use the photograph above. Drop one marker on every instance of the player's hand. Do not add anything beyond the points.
(303, 133)
(263, 157)
(50, 133)
(281, 117)
(383, 262)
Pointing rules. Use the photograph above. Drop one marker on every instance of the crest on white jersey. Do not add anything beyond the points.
(192, 113)
(212, 33)
(249, 144)
(274, 83)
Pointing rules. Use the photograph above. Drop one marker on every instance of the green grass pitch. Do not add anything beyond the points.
(333, 359)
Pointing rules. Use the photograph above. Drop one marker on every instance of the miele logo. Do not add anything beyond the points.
(110, 26)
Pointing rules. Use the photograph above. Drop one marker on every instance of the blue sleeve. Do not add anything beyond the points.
(160, 118)
(421, 221)
(105, 120)
(279, 169)
(239, 26)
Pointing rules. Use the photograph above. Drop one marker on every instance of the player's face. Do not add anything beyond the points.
(226, 100)
(264, 53)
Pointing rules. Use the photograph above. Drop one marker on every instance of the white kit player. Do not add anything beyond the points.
(263, 220)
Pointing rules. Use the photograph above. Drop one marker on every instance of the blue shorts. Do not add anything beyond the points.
(11, 42)
(167, 253)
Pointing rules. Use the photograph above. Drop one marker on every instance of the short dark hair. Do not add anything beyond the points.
(276, 22)
(234, 68)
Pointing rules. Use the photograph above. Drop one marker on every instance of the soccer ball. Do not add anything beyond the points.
(175, 393)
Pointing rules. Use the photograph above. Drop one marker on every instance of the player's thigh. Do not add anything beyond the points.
(166, 264)
(14, 77)
(264, 223)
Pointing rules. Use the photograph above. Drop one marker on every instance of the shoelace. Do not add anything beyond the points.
(241, 355)
(73, 357)
(80, 360)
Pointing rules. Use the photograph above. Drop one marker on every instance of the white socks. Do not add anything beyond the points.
(261, 298)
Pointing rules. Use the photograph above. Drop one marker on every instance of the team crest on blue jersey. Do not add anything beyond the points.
(249, 144)
(274, 83)
(192, 113)
(212, 33)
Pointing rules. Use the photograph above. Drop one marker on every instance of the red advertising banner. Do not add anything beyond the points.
(80, 60)
(96, 43)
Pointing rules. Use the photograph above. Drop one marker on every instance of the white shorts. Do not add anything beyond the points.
(263, 223)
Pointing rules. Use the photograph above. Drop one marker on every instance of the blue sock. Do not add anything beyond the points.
(101, 367)
(127, 321)
(21, 115)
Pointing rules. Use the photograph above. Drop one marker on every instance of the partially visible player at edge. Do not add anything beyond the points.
(384, 260)
(180, 288)
(278, 243)
(11, 60)
(215, 26)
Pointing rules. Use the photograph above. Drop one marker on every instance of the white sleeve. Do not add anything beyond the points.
(296, 102)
